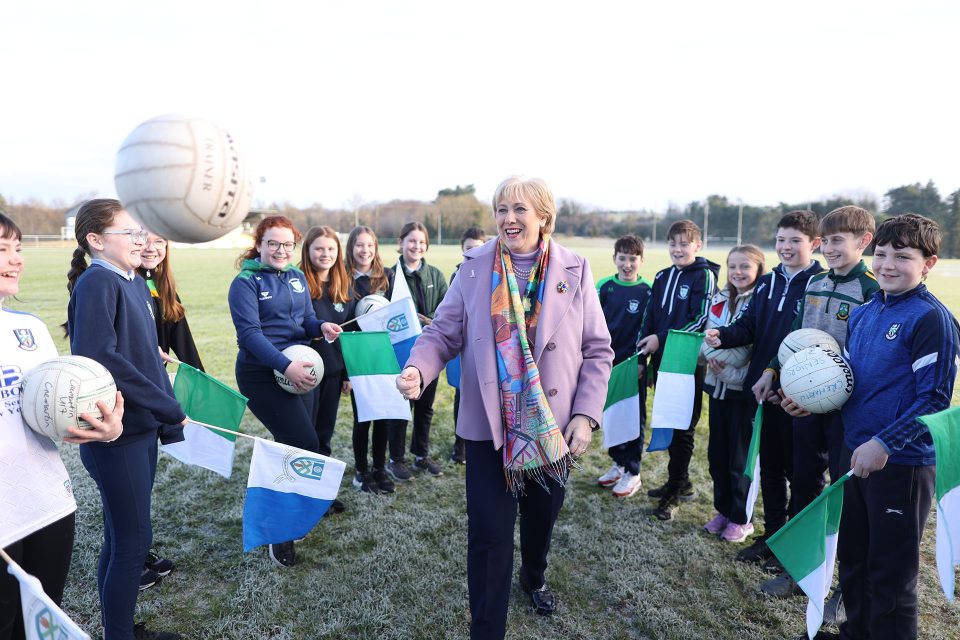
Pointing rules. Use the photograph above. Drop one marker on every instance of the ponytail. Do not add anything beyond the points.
(94, 216)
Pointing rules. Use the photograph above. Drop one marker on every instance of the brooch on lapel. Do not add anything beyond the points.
(562, 286)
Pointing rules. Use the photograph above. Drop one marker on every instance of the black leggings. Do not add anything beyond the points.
(45, 554)
(285, 415)
(361, 438)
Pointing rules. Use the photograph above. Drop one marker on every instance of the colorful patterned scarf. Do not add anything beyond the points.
(533, 445)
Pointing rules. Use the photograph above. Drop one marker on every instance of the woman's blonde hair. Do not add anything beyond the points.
(532, 190)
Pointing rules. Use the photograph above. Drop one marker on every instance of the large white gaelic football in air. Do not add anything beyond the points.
(56, 392)
(183, 178)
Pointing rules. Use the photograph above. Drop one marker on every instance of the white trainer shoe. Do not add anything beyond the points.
(611, 477)
(628, 485)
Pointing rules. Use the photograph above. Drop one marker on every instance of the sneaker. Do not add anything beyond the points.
(737, 532)
(140, 632)
(757, 553)
(399, 471)
(717, 525)
(628, 485)
(336, 507)
(542, 599)
(283, 554)
(383, 481)
(669, 504)
(365, 482)
(162, 566)
(685, 493)
(772, 565)
(783, 586)
(148, 578)
(834, 612)
(426, 463)
(611, 477)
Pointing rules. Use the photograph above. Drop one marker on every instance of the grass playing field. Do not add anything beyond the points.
(394, 566)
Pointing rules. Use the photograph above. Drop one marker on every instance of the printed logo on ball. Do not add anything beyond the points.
(894, 330)
(26, 340)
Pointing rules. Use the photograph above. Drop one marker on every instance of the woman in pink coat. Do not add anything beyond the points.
(524, 314)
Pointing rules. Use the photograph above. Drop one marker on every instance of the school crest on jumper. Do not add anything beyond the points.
(338, 307)
(296, 285)
(633, 306)
(684, 291)
(894, 330)
(844, 311)
(26, 340)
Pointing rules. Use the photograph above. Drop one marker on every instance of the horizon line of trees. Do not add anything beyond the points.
(456, 209)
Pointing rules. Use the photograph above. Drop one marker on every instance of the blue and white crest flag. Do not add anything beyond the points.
(288, 491)
(399, 319)
(42, 618)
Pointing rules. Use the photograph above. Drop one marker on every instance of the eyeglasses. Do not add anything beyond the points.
(137, 236)
(159, 243)
(273, 245)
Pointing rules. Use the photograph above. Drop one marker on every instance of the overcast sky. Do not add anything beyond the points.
(616, 104)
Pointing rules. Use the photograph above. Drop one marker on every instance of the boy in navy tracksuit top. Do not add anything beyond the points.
(903, 349)
(624, 298)
(765, 322)
(679, 300)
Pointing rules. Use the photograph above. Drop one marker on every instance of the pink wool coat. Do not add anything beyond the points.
(572, 348)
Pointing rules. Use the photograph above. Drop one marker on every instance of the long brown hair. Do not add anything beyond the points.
(755, 255)
(338, 284)
(265, 225)
(378, 276)
(171, 310)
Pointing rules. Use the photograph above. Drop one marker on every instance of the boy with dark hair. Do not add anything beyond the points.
(472, 237)
(764, 323)
(903, 349)
(624, 298)
(679, 300)
(830, 298)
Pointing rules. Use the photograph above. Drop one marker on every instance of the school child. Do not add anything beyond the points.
(903, 349)
(271, 310)
(37, 526)
(110, 319)
(369, 277)
(427, 287)
(764, 323)
(829, 299)
(624, 297)
(473, 237)
(731, 406)
(322, 263)
(173, 331)
(679, 300)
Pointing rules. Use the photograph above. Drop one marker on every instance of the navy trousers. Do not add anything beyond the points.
(123, 473)
(491, 518)
(681, 446)
(361, 440)
(731, 425)
(879, 549)
(776, 467)
(323, 404)
(285, 415)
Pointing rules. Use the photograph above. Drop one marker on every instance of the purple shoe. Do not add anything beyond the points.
(737, 532)
(717, 525)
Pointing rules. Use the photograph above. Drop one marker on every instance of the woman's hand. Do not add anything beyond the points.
(580, 435)
(331, 331)
(791, 407)
(105, 429)
(409, 382)
(298, 373)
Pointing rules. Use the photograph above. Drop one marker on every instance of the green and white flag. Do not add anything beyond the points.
(621, 413)
(206, 399)
(372, 366)
(945, 429)
(675, 391)
(807, 548)
(751, 469)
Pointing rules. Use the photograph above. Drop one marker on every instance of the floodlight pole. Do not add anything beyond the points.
(706, 221)
(740, 224)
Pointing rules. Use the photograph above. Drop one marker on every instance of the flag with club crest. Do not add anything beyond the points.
(751, 469)
(401, 289)
(945, 429)
(675, 391)
(807, 548)
(42, 618)
(288, 491)
(372, 367)
(206, 399)
(621, 412)
(399, 320)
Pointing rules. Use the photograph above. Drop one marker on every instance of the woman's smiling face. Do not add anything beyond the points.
(518, 225)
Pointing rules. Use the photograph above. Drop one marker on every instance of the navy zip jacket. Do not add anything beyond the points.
(768, 317)
(679, 299)
(903, 352)
(271, 310)
(110, 320)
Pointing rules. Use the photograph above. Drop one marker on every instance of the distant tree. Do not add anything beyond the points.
(467, 190)
(951, 247)
(459, 212)
(3, 203)
(917, 198)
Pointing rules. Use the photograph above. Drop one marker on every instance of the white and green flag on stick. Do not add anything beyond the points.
(675, 390)
(751, 469)
(945, 429)
(372, 366)
(621, 413)
(807, 548)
